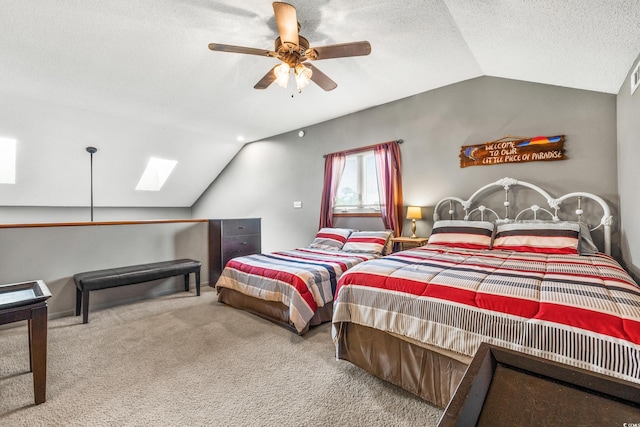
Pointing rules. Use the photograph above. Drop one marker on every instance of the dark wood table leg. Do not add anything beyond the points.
(186, 282)
(198, 283)
(38, 352)
(29, 332)
(78, 300)
(85, 306)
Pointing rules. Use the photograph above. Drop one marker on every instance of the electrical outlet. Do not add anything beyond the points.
(297, 204)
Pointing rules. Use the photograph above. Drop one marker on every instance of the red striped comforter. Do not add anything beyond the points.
(579, 310)
(302, 279)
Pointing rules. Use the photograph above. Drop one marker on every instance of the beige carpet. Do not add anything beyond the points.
(182, 360)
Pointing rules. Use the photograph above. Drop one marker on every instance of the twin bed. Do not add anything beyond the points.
(296, 288)
(530, 282)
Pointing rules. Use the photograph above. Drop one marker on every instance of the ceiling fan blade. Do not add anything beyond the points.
(320, 78)
(339, 50)
(287, 22)
(241, 49)
(268, 78)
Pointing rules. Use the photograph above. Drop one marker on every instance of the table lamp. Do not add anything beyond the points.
(413, 213)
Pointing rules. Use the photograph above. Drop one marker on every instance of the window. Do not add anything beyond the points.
(360, 179)
(358, 188)
(155, 175)
(7, 161)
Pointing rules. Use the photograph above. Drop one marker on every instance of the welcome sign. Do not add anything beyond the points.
(513, 150)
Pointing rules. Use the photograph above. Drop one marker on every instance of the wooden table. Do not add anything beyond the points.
(409, 242)
(503, 387)
(27, 301)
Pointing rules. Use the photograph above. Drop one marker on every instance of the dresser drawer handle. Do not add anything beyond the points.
(241, 227)
(243, 243)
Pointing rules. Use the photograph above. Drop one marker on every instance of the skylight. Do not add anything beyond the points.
(156, 173)
(7, 161)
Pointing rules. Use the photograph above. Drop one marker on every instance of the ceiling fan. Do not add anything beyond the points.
(293, 50)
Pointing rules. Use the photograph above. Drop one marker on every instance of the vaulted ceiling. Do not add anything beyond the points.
(135, 78)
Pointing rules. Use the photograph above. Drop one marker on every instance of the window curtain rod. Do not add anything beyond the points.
(358, 150)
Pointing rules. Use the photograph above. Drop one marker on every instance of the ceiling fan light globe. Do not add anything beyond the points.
(301, 83)
(283, 82)
(282, 72)
(303, 76)
(302, 70)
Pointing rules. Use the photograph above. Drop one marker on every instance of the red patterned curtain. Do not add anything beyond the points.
(333, 168)
(389, 168)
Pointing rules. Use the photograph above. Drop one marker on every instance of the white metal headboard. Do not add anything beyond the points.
(554, 206)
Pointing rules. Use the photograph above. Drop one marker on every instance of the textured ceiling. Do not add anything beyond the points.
(135, 78)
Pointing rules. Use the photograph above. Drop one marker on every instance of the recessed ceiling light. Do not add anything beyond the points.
(8, 161)
(156, 174)
(301, 133)
(240, 138)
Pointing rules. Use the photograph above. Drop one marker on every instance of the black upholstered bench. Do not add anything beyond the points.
(121, 276)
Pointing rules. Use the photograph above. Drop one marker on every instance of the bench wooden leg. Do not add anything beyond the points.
(85, 306)
(186, 282)
(198, 283)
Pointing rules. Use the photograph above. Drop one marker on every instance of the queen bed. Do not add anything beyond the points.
(416, 318)
(296, 287)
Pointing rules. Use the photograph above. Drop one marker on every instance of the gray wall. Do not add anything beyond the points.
(55, 254)
(628, 155)
(266, 177)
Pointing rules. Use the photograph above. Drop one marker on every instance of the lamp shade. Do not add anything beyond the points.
(414, 212)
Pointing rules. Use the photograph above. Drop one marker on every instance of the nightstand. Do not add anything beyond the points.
(408, 242)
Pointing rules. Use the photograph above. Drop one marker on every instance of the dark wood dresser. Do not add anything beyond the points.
(230, 238)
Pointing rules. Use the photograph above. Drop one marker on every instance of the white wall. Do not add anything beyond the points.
(628, 154)
(266, 177)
